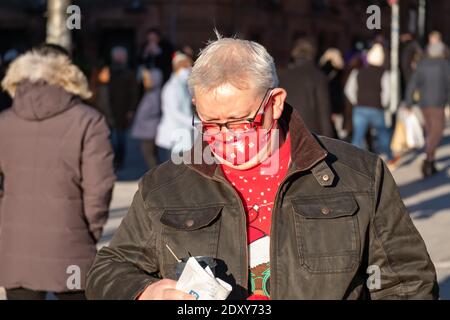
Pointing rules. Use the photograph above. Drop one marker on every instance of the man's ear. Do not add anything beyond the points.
(278, 97)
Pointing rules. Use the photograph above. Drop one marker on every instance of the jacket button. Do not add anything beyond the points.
(326, 210)
(325, 177)
(189, 223)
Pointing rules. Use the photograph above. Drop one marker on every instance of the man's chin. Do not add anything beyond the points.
(253, 162)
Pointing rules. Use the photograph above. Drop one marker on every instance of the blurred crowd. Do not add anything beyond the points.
(340, 95)
(152, 100)
(348, 96)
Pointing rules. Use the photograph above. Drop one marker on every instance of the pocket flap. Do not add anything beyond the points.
(190, 218)
(327, 207)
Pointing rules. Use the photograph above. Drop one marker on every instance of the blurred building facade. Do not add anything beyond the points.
(274, 23)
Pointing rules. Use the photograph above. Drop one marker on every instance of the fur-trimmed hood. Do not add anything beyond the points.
(55, 70)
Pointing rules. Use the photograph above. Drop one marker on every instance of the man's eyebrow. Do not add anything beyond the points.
(232, 117)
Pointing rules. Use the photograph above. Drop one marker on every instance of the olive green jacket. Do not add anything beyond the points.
(338, 225)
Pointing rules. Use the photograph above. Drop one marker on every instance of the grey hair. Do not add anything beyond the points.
(243, 64)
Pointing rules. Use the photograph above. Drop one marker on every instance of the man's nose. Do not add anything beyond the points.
(223, 128)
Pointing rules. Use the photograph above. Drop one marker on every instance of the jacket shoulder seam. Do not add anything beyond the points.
(373, 158)
(355, 170)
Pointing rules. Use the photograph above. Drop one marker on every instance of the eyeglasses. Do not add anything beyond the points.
(234, 127)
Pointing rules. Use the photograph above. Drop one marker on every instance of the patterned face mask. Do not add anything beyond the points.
(243, 139)
(240, 148)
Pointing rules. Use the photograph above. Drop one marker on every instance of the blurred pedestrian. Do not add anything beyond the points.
(355, 62)
(369, 91)
(123, 99)
(8, 57)
(187, 50)
(148, 116)
(410, 55)
(332, 65)
(308, 88)
(100, 91)
(56, 163)
(157, 53)
(431, 85)
(175, 131)
(436, 37)
(5, 99)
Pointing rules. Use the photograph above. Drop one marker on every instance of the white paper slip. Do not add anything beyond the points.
(201, 282)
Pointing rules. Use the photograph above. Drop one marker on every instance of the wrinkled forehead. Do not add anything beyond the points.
(225, 102)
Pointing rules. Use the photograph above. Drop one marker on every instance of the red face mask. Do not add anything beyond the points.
(240, 148)
(242, 141)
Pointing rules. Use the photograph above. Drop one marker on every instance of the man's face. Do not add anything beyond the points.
(183, 64)
(120, 57)
(228, 103)
(153, 38)
(434, 38)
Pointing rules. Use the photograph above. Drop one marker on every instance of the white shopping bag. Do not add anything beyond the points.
(414, 132)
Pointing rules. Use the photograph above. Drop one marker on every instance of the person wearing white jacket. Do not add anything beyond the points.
(175, 131)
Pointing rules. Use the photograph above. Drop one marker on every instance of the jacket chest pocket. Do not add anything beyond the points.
(187, 231)
(327, 233)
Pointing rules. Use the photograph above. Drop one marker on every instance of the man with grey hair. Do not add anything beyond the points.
(280, 214)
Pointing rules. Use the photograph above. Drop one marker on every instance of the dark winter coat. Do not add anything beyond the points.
(432, 81)
(307, 89)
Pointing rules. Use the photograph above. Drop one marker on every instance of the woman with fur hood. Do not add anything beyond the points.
(56, 164)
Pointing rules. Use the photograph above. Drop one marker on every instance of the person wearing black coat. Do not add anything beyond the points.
(431, 83)
(308, 89)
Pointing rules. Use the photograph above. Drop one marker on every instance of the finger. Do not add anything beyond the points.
(173, 294)
(168, 284)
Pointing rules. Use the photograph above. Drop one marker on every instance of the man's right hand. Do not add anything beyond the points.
(164, 290)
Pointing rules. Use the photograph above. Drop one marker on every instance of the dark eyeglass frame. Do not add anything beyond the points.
(250, 121)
